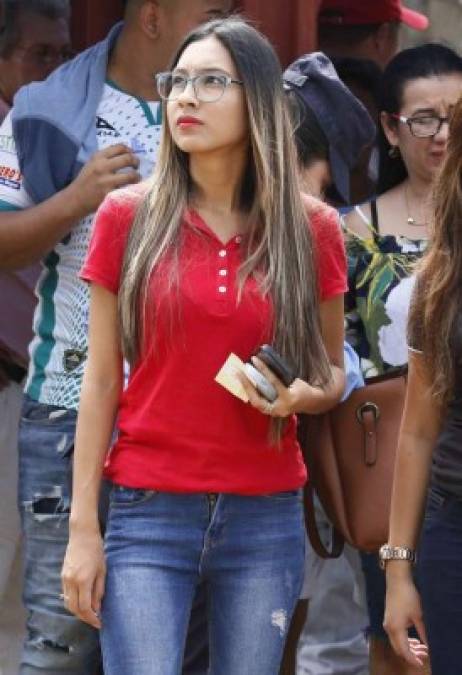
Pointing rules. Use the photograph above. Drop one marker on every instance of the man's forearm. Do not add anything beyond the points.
(27, 236)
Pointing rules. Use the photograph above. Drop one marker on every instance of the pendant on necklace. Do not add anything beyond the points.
(410, 220)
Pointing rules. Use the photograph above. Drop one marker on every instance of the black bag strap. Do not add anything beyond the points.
(375, 219)
(338, 541)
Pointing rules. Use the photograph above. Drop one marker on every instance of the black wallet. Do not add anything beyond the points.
(276, 364)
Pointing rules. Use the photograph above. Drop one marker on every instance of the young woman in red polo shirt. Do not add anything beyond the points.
(213, 257)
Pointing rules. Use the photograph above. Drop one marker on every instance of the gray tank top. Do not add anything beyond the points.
(447, 454)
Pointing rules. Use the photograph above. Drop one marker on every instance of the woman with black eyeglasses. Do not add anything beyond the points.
(386, 237)
(426, 508)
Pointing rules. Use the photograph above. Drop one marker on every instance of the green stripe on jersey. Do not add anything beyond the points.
(6, 206)
(46, 326)
(147, 112)
(152, 121)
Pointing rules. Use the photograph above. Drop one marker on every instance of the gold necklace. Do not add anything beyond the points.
(410, 220)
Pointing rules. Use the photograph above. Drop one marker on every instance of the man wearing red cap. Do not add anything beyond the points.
(365, 29)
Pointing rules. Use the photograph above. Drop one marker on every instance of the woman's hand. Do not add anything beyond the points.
(289, 399)
(83, 576)
(403, 610)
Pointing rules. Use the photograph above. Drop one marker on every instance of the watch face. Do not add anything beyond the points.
(384, 552)
(388, 552)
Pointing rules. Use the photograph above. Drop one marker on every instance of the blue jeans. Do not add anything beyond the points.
(249, 552)
(56, 642)
(440, 580)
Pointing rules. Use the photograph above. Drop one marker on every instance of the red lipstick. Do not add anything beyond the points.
(188, 121)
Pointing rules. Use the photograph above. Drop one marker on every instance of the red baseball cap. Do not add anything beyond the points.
(355, 12)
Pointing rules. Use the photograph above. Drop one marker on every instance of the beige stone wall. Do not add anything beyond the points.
(445, 23)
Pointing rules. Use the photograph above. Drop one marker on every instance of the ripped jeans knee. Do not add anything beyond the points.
(56, 642)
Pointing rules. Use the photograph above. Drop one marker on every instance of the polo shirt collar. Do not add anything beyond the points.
(195, 221)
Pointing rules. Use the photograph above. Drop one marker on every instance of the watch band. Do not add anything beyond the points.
(388, 553)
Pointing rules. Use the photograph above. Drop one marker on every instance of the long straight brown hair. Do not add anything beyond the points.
(437, 300)
(279, 247)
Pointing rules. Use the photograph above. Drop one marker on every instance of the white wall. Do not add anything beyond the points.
(445, 23)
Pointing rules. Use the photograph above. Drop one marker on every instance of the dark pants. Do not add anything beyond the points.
(440, 580)
(375, 594)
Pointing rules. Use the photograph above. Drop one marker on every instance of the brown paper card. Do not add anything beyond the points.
(227, 377)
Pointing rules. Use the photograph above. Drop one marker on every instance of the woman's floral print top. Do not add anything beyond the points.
(381, 279)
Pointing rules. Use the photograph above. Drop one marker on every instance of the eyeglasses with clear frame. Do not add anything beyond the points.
(423, 126)
(207, 87)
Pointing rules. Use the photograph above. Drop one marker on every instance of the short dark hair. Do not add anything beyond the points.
(129, 4)
(12, 10)
(364, 73)
(340, 35)
(346, 34)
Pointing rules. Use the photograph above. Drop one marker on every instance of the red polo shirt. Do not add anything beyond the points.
(180, 431)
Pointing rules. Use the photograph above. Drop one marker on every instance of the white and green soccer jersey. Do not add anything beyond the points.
(58, 350)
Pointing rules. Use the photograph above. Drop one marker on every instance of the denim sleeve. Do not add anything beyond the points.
(47, 157)
(353, 376)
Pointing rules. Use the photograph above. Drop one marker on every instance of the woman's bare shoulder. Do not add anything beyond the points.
(358, 221)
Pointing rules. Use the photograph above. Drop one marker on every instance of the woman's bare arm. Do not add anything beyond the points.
(84, 569)
(419, 430)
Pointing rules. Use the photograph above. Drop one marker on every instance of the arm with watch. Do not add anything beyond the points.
(419, 430)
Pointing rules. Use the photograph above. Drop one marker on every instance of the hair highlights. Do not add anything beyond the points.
(435, 311)
(279, 247)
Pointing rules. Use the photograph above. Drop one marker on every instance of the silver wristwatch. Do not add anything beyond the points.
(388, 552)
